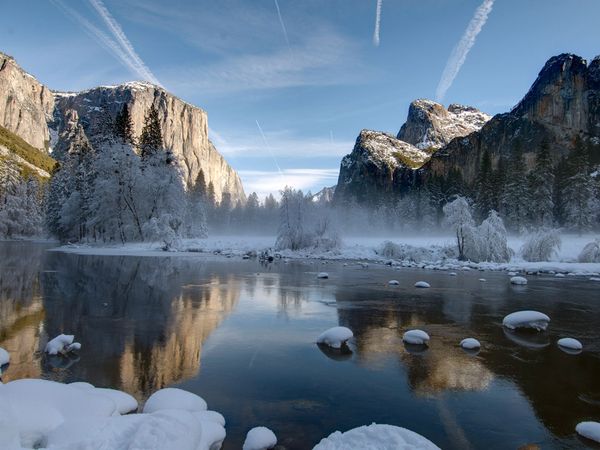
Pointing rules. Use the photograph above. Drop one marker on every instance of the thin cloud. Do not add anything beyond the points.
(460, 52)
(281, 23)
(377, 23)
(265, 182)
(135, 61)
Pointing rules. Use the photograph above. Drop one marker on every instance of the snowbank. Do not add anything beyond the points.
(526, 319)
(58, 416)
(410, 251)
(374, 436)
(173, 398)
(335, 337)
(416, 337)
(589, 430)
(260, 438)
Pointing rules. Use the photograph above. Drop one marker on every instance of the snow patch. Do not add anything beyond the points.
(174, 398)
(260, 438)
(335, 337)
(376, 436)
(4, 357)
(526, 319)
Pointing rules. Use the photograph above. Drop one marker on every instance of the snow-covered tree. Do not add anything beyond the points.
(541, 245)
(492, 238)
(151, 140)
(590, 253)
(458, 215)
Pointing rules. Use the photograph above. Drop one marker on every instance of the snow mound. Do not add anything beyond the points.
(512, 274)
(4, 357)
(416, 337)
(483, 280)
(323, 275)
(63, 343)
(470, 343)
(452, 274)
(422, 284)
(174, 398)
(375, 436)
(559, 275)
(589, 430)
(335, 337)
(260, 438)
(526, 319)
(570, 343)
(521, 281)
(394, 283)
(124, 402)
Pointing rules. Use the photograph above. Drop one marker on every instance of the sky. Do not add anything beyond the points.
(289, 84)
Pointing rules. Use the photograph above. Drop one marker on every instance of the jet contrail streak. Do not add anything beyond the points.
(96, 34)
(460, 52)
(377, 23)
(141, 68)
(270, 151)
(282, 24)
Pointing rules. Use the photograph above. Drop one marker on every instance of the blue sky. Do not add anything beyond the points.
(311, 84)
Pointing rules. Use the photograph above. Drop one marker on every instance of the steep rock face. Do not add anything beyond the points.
(431, 126)
(25, 104)
(374, 164)
(184, 128)
(562, 105)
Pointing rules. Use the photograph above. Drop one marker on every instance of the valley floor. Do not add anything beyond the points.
(360, 249)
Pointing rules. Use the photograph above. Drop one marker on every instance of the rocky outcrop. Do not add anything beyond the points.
(383, 164)
(561, 107)
(374, 165)
(184, 128)
(430, 126)
(37, 115)
(25, 104)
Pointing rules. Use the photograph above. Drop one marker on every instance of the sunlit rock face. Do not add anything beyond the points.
(26, 105)
(184, 128)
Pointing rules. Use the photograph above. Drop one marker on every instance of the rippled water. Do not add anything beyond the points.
(241, 335)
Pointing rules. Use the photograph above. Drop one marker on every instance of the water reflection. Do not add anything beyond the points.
(142, 322)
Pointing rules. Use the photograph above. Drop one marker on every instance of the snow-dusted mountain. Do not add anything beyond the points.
(378, 156)
(37, 115)
(561, 109)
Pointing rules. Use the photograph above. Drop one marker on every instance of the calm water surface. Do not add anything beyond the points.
(241, 335)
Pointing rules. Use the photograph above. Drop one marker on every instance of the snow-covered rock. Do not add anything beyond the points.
(452, 274)
(124, 402)
(589, 430)
(422, 284)
(174, 398)
(323, 275)
(521, 281)
(482, 280)
(470, 344)
(570, 343)
(335, 337)
(4, 357)
(512, 274)
(74, 347)
(376, 437)
(61, 344)
(393, 283)
(260, 438)
(526, 319)
(559, 275)
(416, 337)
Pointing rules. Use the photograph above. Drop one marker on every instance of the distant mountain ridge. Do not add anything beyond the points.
(561, 108)
(38, 115)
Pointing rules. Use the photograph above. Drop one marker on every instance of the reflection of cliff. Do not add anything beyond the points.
(21, 308)
(141, 321)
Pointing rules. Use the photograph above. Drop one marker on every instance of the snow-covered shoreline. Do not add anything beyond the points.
(354, 249)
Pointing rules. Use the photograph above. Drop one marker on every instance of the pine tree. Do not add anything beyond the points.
(515, 202)
(151, 142)
(484, 189)
(578, 198)
(123, 128)
(541, 189)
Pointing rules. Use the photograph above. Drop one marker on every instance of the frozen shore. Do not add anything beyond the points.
(430, 252)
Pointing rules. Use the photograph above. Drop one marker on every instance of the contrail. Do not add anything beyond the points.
(377, 23)
(282, 24)
(460, 52)
(97, 34)
(142, 70)
(270, 151)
